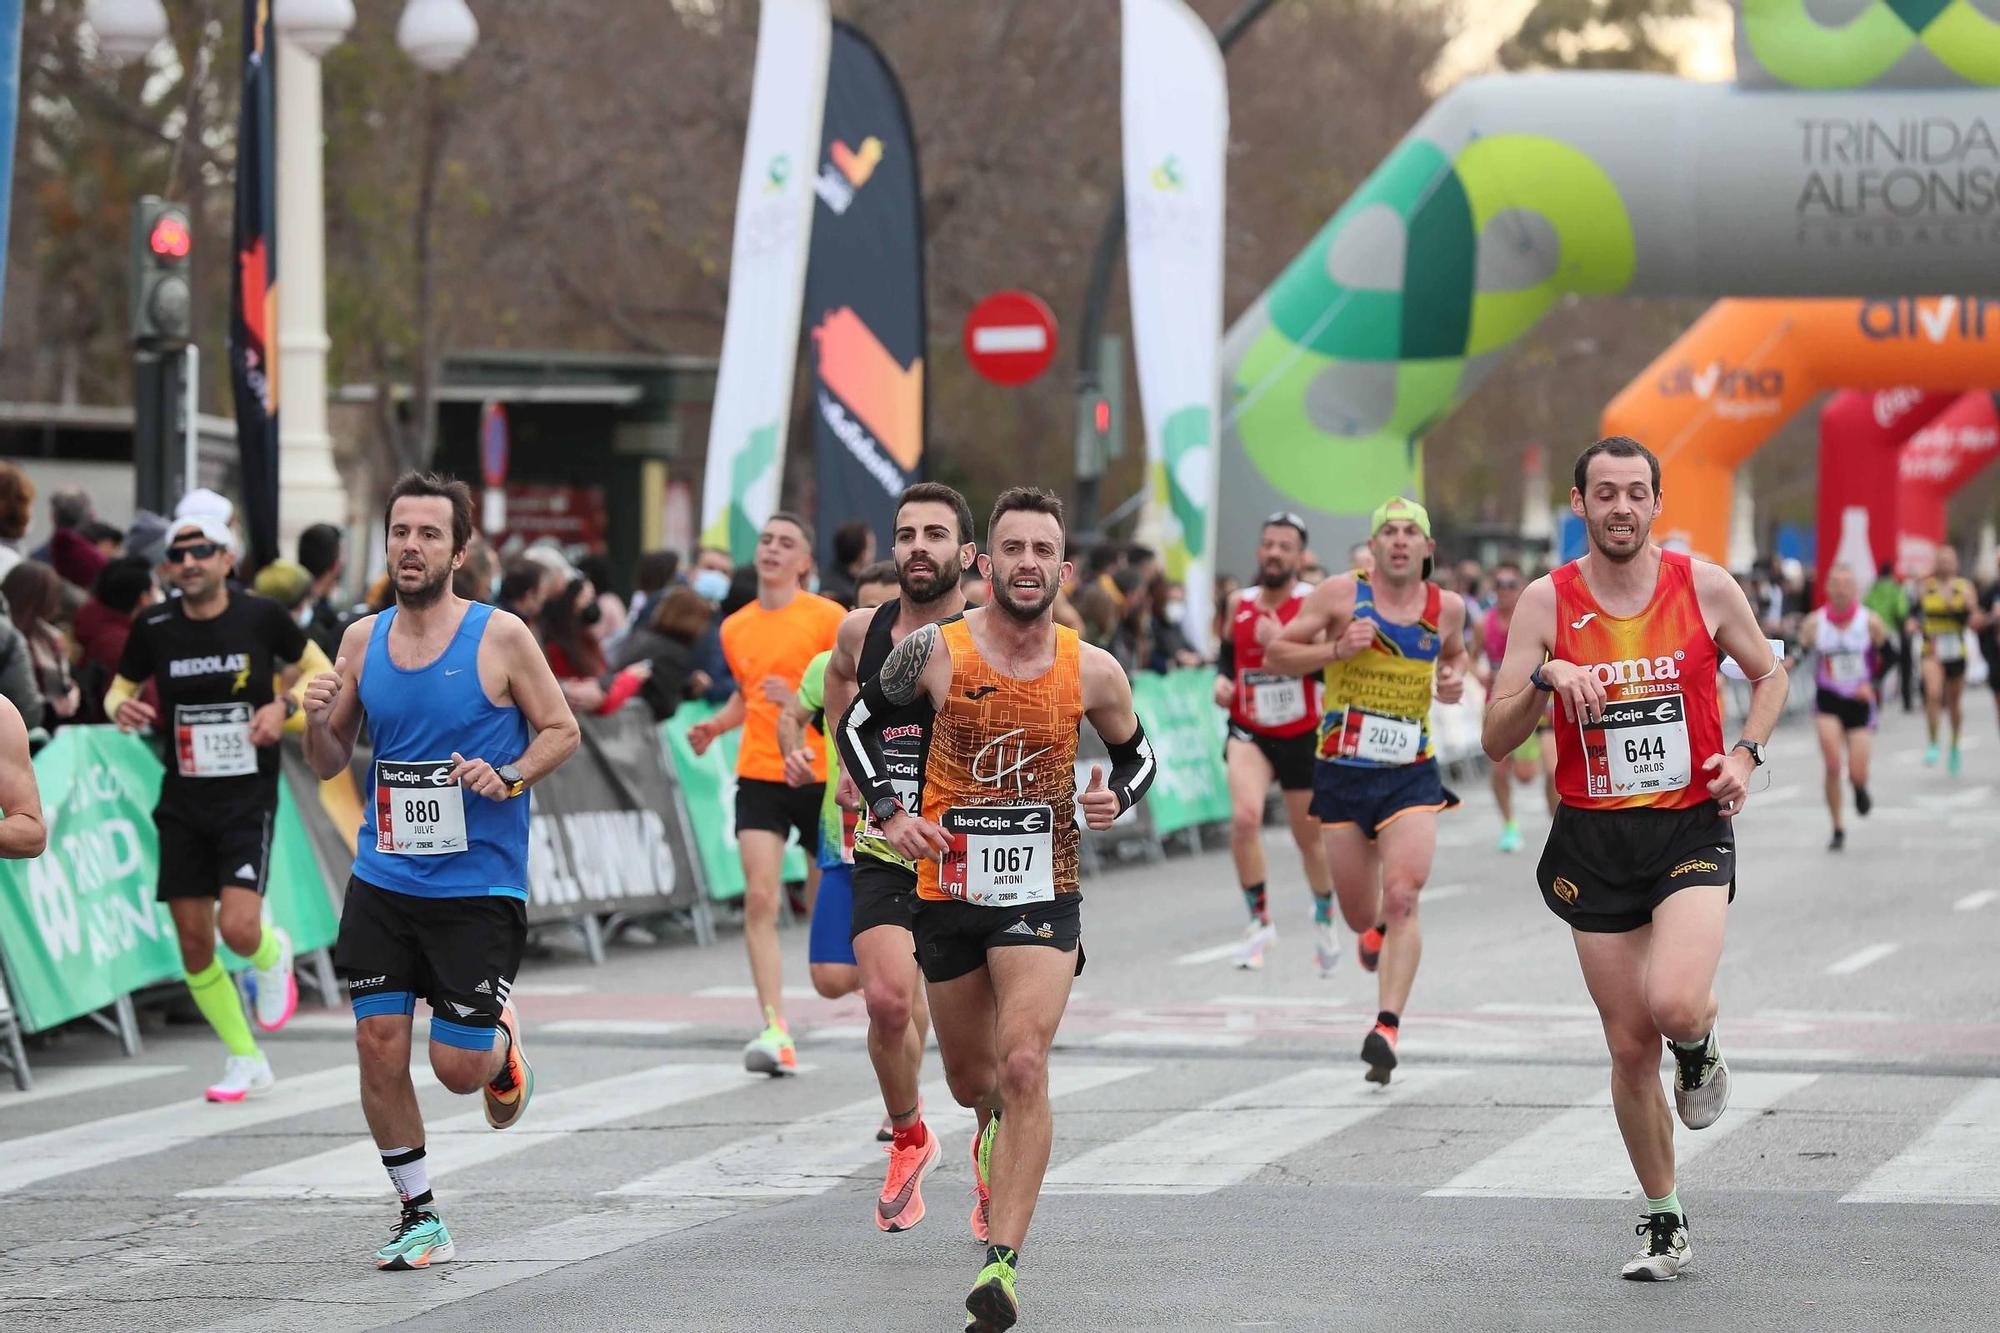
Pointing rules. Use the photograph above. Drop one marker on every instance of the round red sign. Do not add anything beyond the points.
(1010, 337)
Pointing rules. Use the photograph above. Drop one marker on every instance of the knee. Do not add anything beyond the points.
(1024, 1075)
(1358, 920)
(1635, 1053)
(460, 1071)
(197, 952)
(1246, 823)
(760, 904)
(380, 1052)
(1681, 1017)
(889, 1007)
(1399, 904)
(832, 980)
(970, 1085)
(243, 937)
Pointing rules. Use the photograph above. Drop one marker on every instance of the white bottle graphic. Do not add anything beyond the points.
(1854, 550)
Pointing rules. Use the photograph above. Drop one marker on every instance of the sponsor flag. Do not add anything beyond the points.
(10, 100)
(253, 290)
(865, 308)
(767, 264)
(1176, 133)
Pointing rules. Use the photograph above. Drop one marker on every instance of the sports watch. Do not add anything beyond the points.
(516, 784)
(1535, 679)
(1756, 751)
(885, 809)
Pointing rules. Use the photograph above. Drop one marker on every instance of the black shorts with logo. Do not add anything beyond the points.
(885, 894)
(207, 845)
(1852, 714)
(778, 807)
(1291, 757)
(1606, 870)
(460, 954)
(953, 937)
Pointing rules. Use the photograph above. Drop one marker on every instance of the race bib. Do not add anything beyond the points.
(1638, 746)
(1948, 647)
(1846, 668)
(419, 810)
(1271, 700)
(1000, 855)
(1381, 739)
(213, 740)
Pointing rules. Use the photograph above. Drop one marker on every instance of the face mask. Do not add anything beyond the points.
(712, 584)
(590, 614)
(812, 583)
(1175, 612)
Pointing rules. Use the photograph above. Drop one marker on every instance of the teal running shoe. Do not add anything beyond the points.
(418, 1240)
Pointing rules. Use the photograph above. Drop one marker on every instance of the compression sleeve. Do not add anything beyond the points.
(859, 737)
(1132, 766)
(1225, 658)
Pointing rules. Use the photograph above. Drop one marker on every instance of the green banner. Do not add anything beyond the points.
(79, 925)
(1187, 732)
(708, 784)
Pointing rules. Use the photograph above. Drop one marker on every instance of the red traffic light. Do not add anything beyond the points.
(1100, 416)
(170, 238)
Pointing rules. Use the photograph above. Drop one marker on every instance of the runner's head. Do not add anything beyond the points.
(1024, 560)
(784, 552)
(1947, 562)
(1361, 557)
(1506, 586)
(933, 542)
(200, 557)
(1616, 492)
(1399, 537)
(1840, 588)
(1281, 550)
(428, 522)
(875, 585)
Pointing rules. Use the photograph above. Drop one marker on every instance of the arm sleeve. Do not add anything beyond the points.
(136, 662)
(1225, 658)
(859, 737)
(1132, 766)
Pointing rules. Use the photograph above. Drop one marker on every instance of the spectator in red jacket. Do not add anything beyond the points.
(122, 591)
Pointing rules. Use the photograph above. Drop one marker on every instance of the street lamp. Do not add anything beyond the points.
(437, 34)
(316, 26)
(126, 29)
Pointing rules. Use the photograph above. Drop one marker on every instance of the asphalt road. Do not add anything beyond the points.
(1219, 1161)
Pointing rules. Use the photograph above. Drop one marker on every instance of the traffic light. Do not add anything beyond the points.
(162, 284)
(1100, 414)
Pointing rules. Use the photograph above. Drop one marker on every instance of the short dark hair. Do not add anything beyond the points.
(682, 614)
(122, 582)
(1616, 446)
(519, 577)
(936, 492)
(97, 530)
(1103, 556)
(656, 569)
(850, 539)
(319, 549)
(1027, 500)
(795, 520)
(882, 571)
(435, 484)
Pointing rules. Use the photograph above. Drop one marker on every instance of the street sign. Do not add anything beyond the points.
(1010, 337)
(493, 467)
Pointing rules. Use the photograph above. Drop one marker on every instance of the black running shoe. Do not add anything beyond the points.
(1863, 802)
(1378, 1050)
(1838, 842)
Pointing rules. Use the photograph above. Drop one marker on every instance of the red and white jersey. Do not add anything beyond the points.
(1265, 702)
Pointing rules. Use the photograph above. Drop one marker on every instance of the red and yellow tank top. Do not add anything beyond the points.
(1000, 778)
(1663, 713)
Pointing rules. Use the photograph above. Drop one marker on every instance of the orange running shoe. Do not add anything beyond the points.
(902, 1203)
(1369, 946)
(507, 1095)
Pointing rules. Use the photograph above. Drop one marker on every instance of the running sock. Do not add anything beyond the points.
(1322, 909)
(409, 1174)
(215, 995)
(268, 953)
(1254, 899)
(1699, 1046)
(1390, 1025)
(1003, 1254)
(1670, 1204)
(915, 1136)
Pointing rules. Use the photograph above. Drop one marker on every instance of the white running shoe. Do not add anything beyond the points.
(1666, 1253)
(1257, 937)
(1701, 1084)
(276, 988)
(1326, 947)
(243, 1076)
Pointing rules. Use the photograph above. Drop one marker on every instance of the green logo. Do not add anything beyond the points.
(1797, 48)
(1167, 175)
(777, 173)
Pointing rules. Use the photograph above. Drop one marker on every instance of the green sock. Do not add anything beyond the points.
(1322, 909)
(268, 953)
(1670, 1204)
(215, 995)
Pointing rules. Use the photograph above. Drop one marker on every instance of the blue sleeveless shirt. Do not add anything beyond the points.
(416, 719)
(1377, 704)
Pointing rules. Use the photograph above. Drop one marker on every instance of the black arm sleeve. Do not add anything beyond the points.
(859, 737)
(1225, 658)
(1132, 766)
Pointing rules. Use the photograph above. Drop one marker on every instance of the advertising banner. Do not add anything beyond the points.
(1187, 731)
(253, 290)
(708, 785)
(865, 308)
(767, 266)
(1176, 139)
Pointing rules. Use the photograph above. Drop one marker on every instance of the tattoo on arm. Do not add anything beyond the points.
(903, 673)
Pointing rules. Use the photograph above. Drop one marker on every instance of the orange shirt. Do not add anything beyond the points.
(760, 643)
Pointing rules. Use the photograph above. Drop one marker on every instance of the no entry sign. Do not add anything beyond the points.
(1010, 337)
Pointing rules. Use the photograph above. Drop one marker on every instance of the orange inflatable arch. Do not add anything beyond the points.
(1745, 368)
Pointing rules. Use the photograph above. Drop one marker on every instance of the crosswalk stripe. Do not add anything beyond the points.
(119, 1138)
(1956, 1161)
(1214, 954)
(1230, 1140)
(1972, 902)
(816, 1153)
(1579, 1155)
(85, 1078)
(614, 1027)
(1866, 956)
(354, 1170)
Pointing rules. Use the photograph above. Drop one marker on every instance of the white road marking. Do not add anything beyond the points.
(1972, 902)
(1228, 1141)
(613, 1027)
(67, 1082)
(1579, 1155)
(1538, 1010)
(1956, 1161)
(354, 1170)
(1972, 798)
(1863, 957)
(1277, 1002)
(1777, 795)
(836, 1032)
(1156, 1038)
(528, 989)
(1826, 1016)
(1214, 955)
(1439, 892)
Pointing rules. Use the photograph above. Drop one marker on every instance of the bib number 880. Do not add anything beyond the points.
(422, 812)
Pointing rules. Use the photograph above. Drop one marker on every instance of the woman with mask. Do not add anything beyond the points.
(568, 640)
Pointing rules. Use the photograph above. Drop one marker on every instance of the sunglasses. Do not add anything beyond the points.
(199, 551)
(1504, 584)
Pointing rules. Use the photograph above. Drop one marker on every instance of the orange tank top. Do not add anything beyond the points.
(1000, 778)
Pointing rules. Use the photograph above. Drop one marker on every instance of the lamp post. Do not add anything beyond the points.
(127, 30)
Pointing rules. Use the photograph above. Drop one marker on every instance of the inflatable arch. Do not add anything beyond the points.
(1936, 464)
(1745, 368)
(1858, 154)
(1861, 439)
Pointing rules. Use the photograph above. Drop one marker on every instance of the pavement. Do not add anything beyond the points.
(1219, 1161)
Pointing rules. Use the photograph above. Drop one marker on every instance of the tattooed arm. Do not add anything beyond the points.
(920, 664)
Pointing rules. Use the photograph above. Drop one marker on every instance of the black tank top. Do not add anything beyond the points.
(906, 735)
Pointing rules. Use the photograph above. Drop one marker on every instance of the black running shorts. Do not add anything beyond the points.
(1606, 870)
(953, 937)
(1852, 714)
(777, 807)
(204, 849)
(460, 954)
(884, 895)
(1291, 757)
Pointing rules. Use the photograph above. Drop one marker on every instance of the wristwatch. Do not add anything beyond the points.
(516, 784)
(1756, 751)
(1535, 679)
(885, 809)
(292, 706)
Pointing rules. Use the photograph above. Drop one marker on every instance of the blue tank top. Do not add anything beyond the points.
(1377, 704)
(420, 835)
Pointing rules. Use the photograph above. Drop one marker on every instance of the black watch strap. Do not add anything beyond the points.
(1756, 750)
(885, 809)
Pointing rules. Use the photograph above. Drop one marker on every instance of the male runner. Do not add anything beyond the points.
(215, 652)
(1844, 638)
(24, 833)
(932, 545)
(1387, 641)
(768, 644)
(1946, 606)
(1534, 759)
(999, 931)
(1272, 721)
(464, 715)
(1641, 861)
